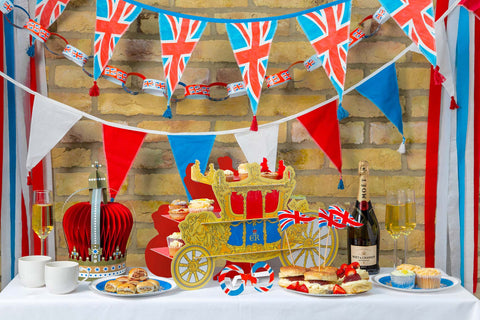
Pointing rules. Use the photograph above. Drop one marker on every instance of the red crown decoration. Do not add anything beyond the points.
(97, 232)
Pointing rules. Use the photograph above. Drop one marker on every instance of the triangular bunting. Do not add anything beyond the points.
(328, 30)
(113, 19)
(48, 11)
(51, 120)
(416, 19)
(251, 43)
(260, 144)
(382, 90)
(322, 125)
(178, 37)
(187, 149)
(121, 147)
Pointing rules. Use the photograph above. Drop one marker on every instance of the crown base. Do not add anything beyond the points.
(102, 269)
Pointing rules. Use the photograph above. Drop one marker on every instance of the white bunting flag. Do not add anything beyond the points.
(260, 144)
(51, 120)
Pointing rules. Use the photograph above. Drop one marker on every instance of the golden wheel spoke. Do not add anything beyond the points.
(202, 264)
(183, 273)
(186, 257)
(190, 276)
(315, 235)
(298, 257)
(196, 276)
(185, 265)
(201, 271)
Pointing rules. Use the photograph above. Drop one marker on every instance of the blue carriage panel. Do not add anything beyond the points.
(236, 237)
(272, 231)
(254, 232)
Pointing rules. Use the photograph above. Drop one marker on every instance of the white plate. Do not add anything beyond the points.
(446, 282)
(323, 294)
(166, 285)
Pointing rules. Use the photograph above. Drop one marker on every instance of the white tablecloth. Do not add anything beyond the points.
(18, 302)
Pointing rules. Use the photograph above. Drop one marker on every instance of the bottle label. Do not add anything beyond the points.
(364, 255)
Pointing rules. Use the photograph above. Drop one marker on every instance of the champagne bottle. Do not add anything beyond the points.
(364, 242)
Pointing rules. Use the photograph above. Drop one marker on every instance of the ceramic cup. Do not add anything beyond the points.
(31, 270)
(62, 276)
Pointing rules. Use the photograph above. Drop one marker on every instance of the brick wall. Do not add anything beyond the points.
(153, 180)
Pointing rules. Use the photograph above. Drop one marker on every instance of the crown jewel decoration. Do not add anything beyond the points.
(97, 231)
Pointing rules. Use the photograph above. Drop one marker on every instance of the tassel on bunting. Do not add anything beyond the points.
(254, 126)
(438, 78)
(31, 50)
(94, 90)
(340, 184)
(401, 149)
(168, 113)
(341, 112)
(453, 104)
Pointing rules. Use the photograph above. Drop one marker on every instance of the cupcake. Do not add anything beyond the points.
(200, 205)
(404, 279)
(178, 204)
(178, 214)
(428, 278)
(242, 171)
(228, 175)
(174, 243)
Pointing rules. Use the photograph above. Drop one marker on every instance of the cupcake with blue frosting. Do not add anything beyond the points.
(404, 279)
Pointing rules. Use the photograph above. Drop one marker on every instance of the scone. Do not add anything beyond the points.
(290, 274)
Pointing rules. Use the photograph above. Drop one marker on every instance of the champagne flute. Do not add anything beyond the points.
(42, 215)
(395, 218)
(410, 217)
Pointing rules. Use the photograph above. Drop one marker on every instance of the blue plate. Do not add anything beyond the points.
(446, 282)
(166, 285)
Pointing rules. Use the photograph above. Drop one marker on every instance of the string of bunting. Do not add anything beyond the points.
(193, 91)
(47, 14)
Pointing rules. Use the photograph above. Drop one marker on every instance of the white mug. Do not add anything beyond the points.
(31, 270)
(62, 276)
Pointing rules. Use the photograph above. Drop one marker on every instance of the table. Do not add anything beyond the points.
(209, 302)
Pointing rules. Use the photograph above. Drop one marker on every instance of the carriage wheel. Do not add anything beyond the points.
(308, 237)
(192, 267)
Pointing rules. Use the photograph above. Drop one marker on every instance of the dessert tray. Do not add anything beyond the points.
(166, 285)
(446, 282)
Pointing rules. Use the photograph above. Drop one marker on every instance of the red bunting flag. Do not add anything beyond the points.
(322, 125)
(121, 147)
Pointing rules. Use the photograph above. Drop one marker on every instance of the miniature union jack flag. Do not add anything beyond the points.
(178, 37)
(287, 218)
(416, 19)
(48, 11)
(337, 218)
(251, 46)
(113, 19)
(328, 32)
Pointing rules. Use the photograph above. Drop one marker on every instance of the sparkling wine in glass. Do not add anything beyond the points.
(410, 217)
(42, 214)
(395, 218)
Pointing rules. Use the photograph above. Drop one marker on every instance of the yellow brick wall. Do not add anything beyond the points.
(153, 179)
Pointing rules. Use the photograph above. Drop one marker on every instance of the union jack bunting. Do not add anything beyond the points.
(178, 37)
(287, 218)
(113, 19)
(48, 11)
(251, 46)
(337, 218)
(328, 32)
(415, 17)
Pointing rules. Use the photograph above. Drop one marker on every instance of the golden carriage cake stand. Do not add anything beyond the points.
(247, 228)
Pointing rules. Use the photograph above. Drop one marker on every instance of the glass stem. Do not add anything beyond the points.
(406, 249)
(394, 253)
(41, 246)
